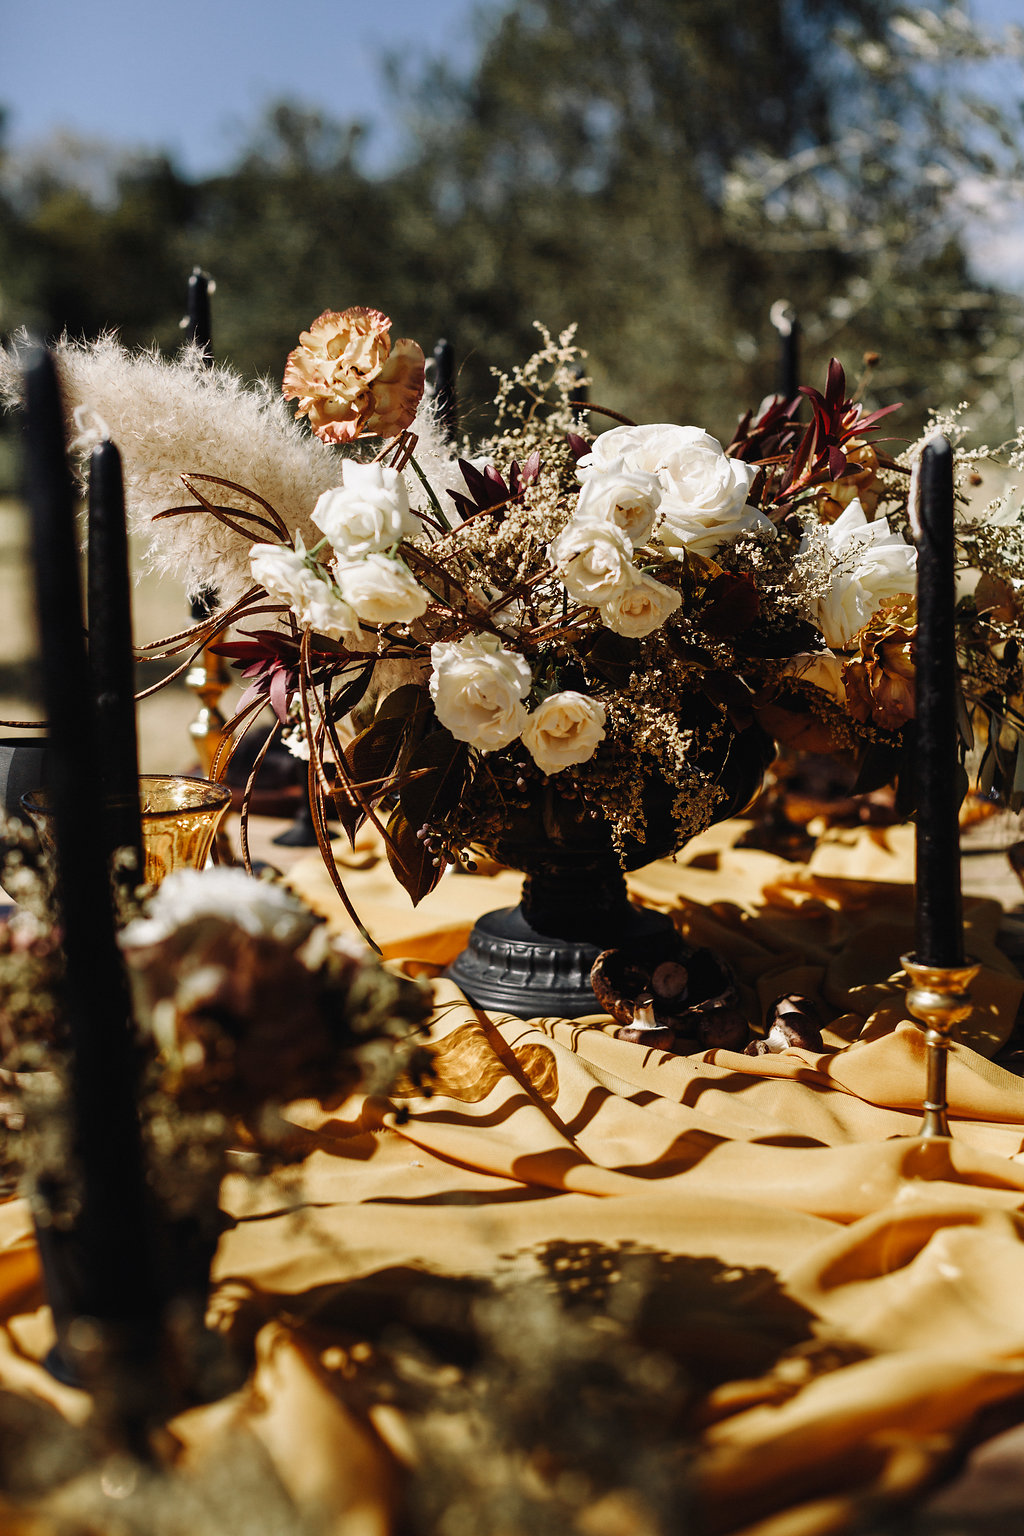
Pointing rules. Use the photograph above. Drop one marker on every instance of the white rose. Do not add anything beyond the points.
(478, 687)
(368, 513)
(594, 560)
(278, 569)
(703, 491)
(565, 729)
(319, 607)
(641, 609)
(285, 574)
(871, 563)
(381, 591)
(822, 668)
(626, 497)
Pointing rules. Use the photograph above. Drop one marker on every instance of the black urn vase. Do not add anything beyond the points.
(534, 960)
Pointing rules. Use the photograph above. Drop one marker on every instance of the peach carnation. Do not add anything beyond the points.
(351, 380)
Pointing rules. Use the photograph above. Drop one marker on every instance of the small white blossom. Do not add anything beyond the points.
(227, 896)
(478, 687)
(367, 513)
(641, 609)
(566, 728)
(381, 591)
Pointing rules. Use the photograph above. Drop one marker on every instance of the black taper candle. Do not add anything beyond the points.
(198, 325)
(116, 1284)
(446, 404)
(110, 657)
(785, 321)
(939, 916)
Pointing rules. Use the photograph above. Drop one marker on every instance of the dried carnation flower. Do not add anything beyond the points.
(880, 682)
(351, 380)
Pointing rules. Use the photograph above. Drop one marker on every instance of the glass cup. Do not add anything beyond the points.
(180, 817)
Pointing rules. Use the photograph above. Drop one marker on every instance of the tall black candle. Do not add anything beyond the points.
(116, 1282)
(785, 321)
(110, 656)
(939, 916)
(446, 404)
(198, 323)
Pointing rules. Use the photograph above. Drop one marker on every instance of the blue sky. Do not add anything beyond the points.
(192, 76)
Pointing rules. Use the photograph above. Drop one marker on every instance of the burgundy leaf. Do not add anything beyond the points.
(279, 691)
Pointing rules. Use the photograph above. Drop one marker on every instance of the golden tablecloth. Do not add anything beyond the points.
(845, 1296)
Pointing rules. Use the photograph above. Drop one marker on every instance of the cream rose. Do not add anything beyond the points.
(381, 591)
(626, 497)
(367, 513)
(285, 574)
(478, 688)
(641, 609)
(870, 564)
(703, 491)
(566, 728)
(594, 560)
(822, 668)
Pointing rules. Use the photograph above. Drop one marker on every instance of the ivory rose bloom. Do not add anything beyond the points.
(703, 491)
(285, 574)
(351, 380)
(626, 497)
(641, 609)
(870, 564)
(381, 591)
(821, 668)
(566, 728)
(478, 688)
(367, 513)
(594, 560)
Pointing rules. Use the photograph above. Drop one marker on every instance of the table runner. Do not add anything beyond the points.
(841, 1298)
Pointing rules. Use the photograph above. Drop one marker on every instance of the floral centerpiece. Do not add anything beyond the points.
(451, 637)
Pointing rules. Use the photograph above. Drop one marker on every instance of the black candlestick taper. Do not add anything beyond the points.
(112, 1339)
(938, 996)
(112, 662)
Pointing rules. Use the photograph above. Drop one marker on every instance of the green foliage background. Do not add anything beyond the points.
(660, 172)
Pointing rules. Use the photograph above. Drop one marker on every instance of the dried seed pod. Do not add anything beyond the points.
(605, 990)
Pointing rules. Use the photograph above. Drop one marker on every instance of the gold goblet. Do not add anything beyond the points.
(180, 817)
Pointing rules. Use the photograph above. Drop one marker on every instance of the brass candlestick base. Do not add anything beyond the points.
(938, 998)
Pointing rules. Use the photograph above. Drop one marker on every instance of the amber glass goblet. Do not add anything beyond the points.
(180, 817)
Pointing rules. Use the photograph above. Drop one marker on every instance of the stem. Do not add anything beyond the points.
(438, 509)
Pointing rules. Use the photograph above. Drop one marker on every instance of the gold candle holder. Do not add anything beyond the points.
(939, 999)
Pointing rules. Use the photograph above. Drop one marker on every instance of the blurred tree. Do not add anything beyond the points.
(660, 172)
(663, 172)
